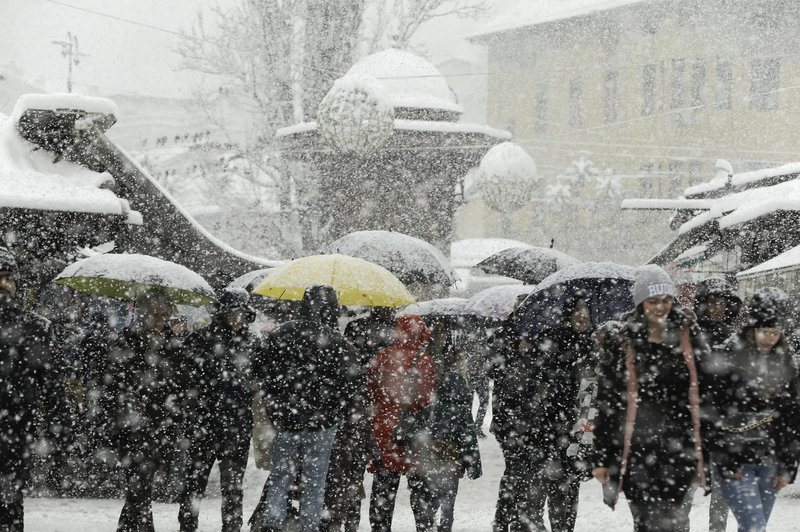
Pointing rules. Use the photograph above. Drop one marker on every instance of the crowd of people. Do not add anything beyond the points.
(686, 396)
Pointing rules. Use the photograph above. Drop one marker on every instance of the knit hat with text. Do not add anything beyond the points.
(652, 281)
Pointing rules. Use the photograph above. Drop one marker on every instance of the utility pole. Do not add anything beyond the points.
(69, 49)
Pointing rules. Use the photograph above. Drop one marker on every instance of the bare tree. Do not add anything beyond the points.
(394, 22)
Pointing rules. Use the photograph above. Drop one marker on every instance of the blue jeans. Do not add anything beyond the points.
(444, 492)
(752, 497)
(310, 451)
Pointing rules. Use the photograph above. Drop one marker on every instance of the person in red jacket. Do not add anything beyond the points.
(402, 377)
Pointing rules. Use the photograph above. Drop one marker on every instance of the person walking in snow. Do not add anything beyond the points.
(563, 352)
(452, 447)
(143, 384)
(647, 432)
(717, 307)
(306, 380)
(751, 404)
(218, 406)
(30, 389)
(402, 378)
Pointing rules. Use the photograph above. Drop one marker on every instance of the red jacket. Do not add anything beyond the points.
(389, 388)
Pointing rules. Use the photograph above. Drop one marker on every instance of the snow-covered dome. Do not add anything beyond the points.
(410, 81)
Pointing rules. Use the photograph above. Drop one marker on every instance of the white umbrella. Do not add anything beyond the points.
(496, 301)
(126, 276)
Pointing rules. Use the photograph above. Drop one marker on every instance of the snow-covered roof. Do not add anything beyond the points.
(31, 180)
(744, 178)
(524, 13)
(63, 101)
(748, 205)
(787, 259)
(430, 126)
(410, 80)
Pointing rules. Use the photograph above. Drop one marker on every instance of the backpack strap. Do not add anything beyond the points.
(630, 412)
(694, 404)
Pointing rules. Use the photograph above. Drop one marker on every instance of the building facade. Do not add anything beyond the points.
(657, 91)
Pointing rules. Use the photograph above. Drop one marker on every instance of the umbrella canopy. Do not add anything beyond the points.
(605, 285)
(496, 302)
(250, 280)
(449, 306)
(528, 264)
(126, 276)
(410, 259)
(357, 282)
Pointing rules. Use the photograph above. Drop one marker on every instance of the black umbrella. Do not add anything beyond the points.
(529, 264)
(606, 286)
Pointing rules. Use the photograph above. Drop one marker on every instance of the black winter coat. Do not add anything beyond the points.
(30, 387)
(516, 397)
(662, 450)
(743, 385)
(308, 376)
(143, 385)
(219, 379)
(562, 353)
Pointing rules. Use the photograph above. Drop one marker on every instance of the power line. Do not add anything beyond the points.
(121, 19)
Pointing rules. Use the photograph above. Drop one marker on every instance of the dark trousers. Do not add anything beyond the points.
(11, 502)
(557, 488)
(137, 512)
(658, 506)
(514, 511)
(344, 484)
(382, 500)
(232, 456)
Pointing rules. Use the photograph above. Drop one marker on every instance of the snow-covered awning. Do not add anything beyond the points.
(787, 260)
(32, 179)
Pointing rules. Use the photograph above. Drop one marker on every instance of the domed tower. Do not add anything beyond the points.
(387, 152)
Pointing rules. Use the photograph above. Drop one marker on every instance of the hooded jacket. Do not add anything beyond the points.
(218, 371)
(717, 332)
(743, 385)
(309, 369)
(393, 386)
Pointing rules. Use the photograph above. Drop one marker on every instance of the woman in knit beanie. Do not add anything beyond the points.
(647, 430)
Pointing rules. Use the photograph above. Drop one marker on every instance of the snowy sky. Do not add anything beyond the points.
(128, 58)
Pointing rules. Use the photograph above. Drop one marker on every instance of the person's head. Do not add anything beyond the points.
(411, 331)
(653, 293)
(580, 317)
(321, 304)
(9, 276)
(153, 310)
(716, 301)
(766, 316)
(382, 314)
(178, 325)
(233, 308)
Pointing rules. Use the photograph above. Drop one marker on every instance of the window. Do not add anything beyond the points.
(764, 82)
(540, 123)
(724, 88)
(698, 82)
(575, 96)
(678, 69)
(649, 89)
(674, 179)
(695, 172)
(610, 114)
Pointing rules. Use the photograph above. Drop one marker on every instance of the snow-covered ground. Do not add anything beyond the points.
(474, 507)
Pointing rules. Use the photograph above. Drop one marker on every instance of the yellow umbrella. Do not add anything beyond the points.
(357, 282)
